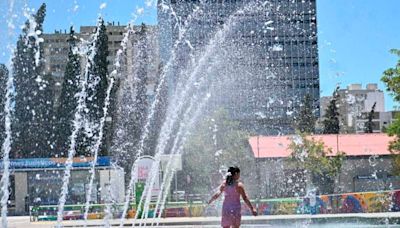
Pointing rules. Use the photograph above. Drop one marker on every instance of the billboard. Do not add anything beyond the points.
(144, 167)
(55, 163)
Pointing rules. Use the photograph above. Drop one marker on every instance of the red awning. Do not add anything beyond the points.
(351, 144)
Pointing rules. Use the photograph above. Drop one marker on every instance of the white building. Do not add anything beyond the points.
(353, 102)
(380, 121)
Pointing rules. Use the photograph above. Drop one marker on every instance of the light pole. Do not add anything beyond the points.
(258, 171)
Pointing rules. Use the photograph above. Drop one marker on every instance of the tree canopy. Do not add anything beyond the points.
(391, 78)
(317, 160)
(306, 118)
(331, 118)
(216, 143)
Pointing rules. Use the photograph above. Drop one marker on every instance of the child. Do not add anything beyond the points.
(231, 208)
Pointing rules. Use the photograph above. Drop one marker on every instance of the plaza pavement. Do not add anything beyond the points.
(360, 220)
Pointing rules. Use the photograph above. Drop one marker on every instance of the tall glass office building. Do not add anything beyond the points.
(267, 55)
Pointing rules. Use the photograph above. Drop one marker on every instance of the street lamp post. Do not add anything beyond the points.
(258, 171)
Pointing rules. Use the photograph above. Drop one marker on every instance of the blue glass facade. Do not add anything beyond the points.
(267, 62)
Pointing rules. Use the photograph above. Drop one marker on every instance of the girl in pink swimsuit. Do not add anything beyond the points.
(231, 208)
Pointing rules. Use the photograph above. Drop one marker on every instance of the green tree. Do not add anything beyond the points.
(42, 123)
(32, 125)
(369, 124)
(318, 161)
(98, 75)
(98, 81)
(306, 119)
(331, 118)
(68, 99)
(3, 84)
(384, 129)
(391, 77)
(394, 146)
(3, 89)
(216, 142)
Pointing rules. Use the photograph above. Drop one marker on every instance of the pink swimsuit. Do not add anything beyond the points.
(231, 208)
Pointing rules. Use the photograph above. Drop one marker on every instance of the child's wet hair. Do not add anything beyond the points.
(231, 172)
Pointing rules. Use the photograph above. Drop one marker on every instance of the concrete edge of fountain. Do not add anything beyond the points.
(368, 218)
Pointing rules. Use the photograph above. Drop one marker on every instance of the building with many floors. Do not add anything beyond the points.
(271, 55)
(380, 121)
(56, 49)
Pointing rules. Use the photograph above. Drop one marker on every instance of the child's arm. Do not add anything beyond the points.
(217, 194)
(246, 199)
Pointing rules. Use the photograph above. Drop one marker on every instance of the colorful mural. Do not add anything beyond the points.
(396, 201)
(360, 202)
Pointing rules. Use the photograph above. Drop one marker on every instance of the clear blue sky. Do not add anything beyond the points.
(355, 36)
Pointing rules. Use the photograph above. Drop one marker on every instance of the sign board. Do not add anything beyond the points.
(175, 159)
(144, 168)
(55, 163)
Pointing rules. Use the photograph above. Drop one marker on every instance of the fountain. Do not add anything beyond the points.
(78, 121)
(8, 109)
(181, 98)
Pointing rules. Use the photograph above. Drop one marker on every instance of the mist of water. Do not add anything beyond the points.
(6, 147)
(96, 147)
(178, 142)
(77, 125)
(196, 76)
(8, 110)
(166, 73)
